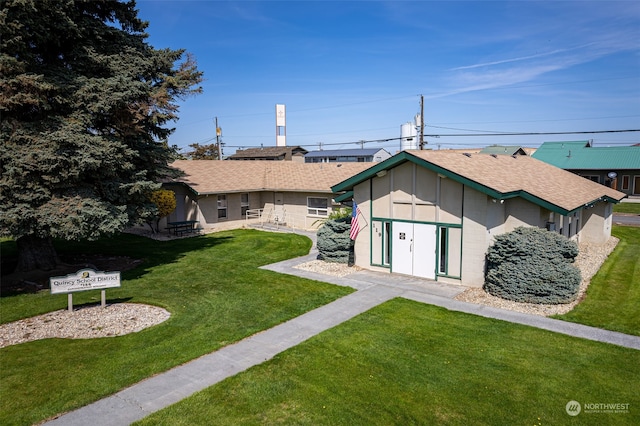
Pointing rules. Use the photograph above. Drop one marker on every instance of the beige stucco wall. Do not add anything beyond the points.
(475, 237)
(520, 212)
(362, 246)
(295, 208)
(596, 224)
(205, 208)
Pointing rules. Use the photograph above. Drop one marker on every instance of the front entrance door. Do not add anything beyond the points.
(414, 249)
(636, 185)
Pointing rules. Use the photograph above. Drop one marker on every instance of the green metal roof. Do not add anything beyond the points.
(580, 155)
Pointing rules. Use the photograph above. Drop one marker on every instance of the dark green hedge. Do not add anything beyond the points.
(533, 265)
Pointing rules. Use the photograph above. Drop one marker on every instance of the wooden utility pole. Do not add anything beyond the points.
(218, 134)
(421, 122)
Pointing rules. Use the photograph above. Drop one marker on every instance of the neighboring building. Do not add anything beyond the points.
(503, 150)
(347, 156)
(272, 153)
(616, 167)
(221, 193)
(433, 214)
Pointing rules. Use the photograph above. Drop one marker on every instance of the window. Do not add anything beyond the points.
(626, 180)
(244, 204)
(317, 206)
(443, 250)
(593, 178)
(387, 244)
(222, 206)
(380, 242)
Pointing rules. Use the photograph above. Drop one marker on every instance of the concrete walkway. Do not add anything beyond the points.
(155, 393)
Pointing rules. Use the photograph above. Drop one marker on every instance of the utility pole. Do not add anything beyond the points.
(218, 134)
(421, 122)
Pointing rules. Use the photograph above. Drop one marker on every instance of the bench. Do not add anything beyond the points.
(183, 227)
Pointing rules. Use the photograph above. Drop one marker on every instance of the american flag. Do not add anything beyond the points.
(355, 227)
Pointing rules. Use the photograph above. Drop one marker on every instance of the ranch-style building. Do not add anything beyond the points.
(617, 167)
(228, 194)
(433, 214)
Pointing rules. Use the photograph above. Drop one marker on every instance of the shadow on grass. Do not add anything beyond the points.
(133, 255)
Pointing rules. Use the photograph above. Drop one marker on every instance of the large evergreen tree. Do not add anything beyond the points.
(84, 104)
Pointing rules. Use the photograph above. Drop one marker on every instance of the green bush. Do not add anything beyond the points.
(533, 265)
(334, 244)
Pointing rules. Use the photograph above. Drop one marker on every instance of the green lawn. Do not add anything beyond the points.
(408, 363)
(613, 297)
(631, 208)
(399, 363)
(211, 285)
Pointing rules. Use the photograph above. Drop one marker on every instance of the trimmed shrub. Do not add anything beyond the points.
(334, 244)
(533, 265)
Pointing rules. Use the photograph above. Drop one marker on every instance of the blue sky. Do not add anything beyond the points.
(354, 71)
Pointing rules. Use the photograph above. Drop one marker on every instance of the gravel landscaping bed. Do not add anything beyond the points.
(83, 323)
(590, 258)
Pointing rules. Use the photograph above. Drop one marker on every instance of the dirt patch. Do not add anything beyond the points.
(36, 280)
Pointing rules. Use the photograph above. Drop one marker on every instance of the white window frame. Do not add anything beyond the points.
(317, 210)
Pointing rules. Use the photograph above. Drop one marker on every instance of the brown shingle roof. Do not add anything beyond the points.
(522, 174)
(268, 152)
(215, 177)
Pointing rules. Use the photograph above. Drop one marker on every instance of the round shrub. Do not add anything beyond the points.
(533, 265)
(334, 244)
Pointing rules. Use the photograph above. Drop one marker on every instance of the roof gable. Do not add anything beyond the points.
(502, 177)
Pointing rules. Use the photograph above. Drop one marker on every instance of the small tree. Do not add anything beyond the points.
(202, 152)
(533, 265)
(165, 202)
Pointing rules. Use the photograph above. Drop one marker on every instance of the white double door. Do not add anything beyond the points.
(413, 250)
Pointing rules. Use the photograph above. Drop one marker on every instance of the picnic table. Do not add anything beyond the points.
(183, 227)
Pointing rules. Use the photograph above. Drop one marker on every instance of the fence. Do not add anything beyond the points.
(283, 219)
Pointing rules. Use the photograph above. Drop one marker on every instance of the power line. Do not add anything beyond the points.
(385, 140)
(593, 132)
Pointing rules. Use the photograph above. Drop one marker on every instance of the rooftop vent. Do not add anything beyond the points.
(466, 154)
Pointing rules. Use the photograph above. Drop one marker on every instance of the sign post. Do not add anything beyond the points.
(84, 279)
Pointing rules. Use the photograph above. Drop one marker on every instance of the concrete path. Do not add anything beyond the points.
(155, 393)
